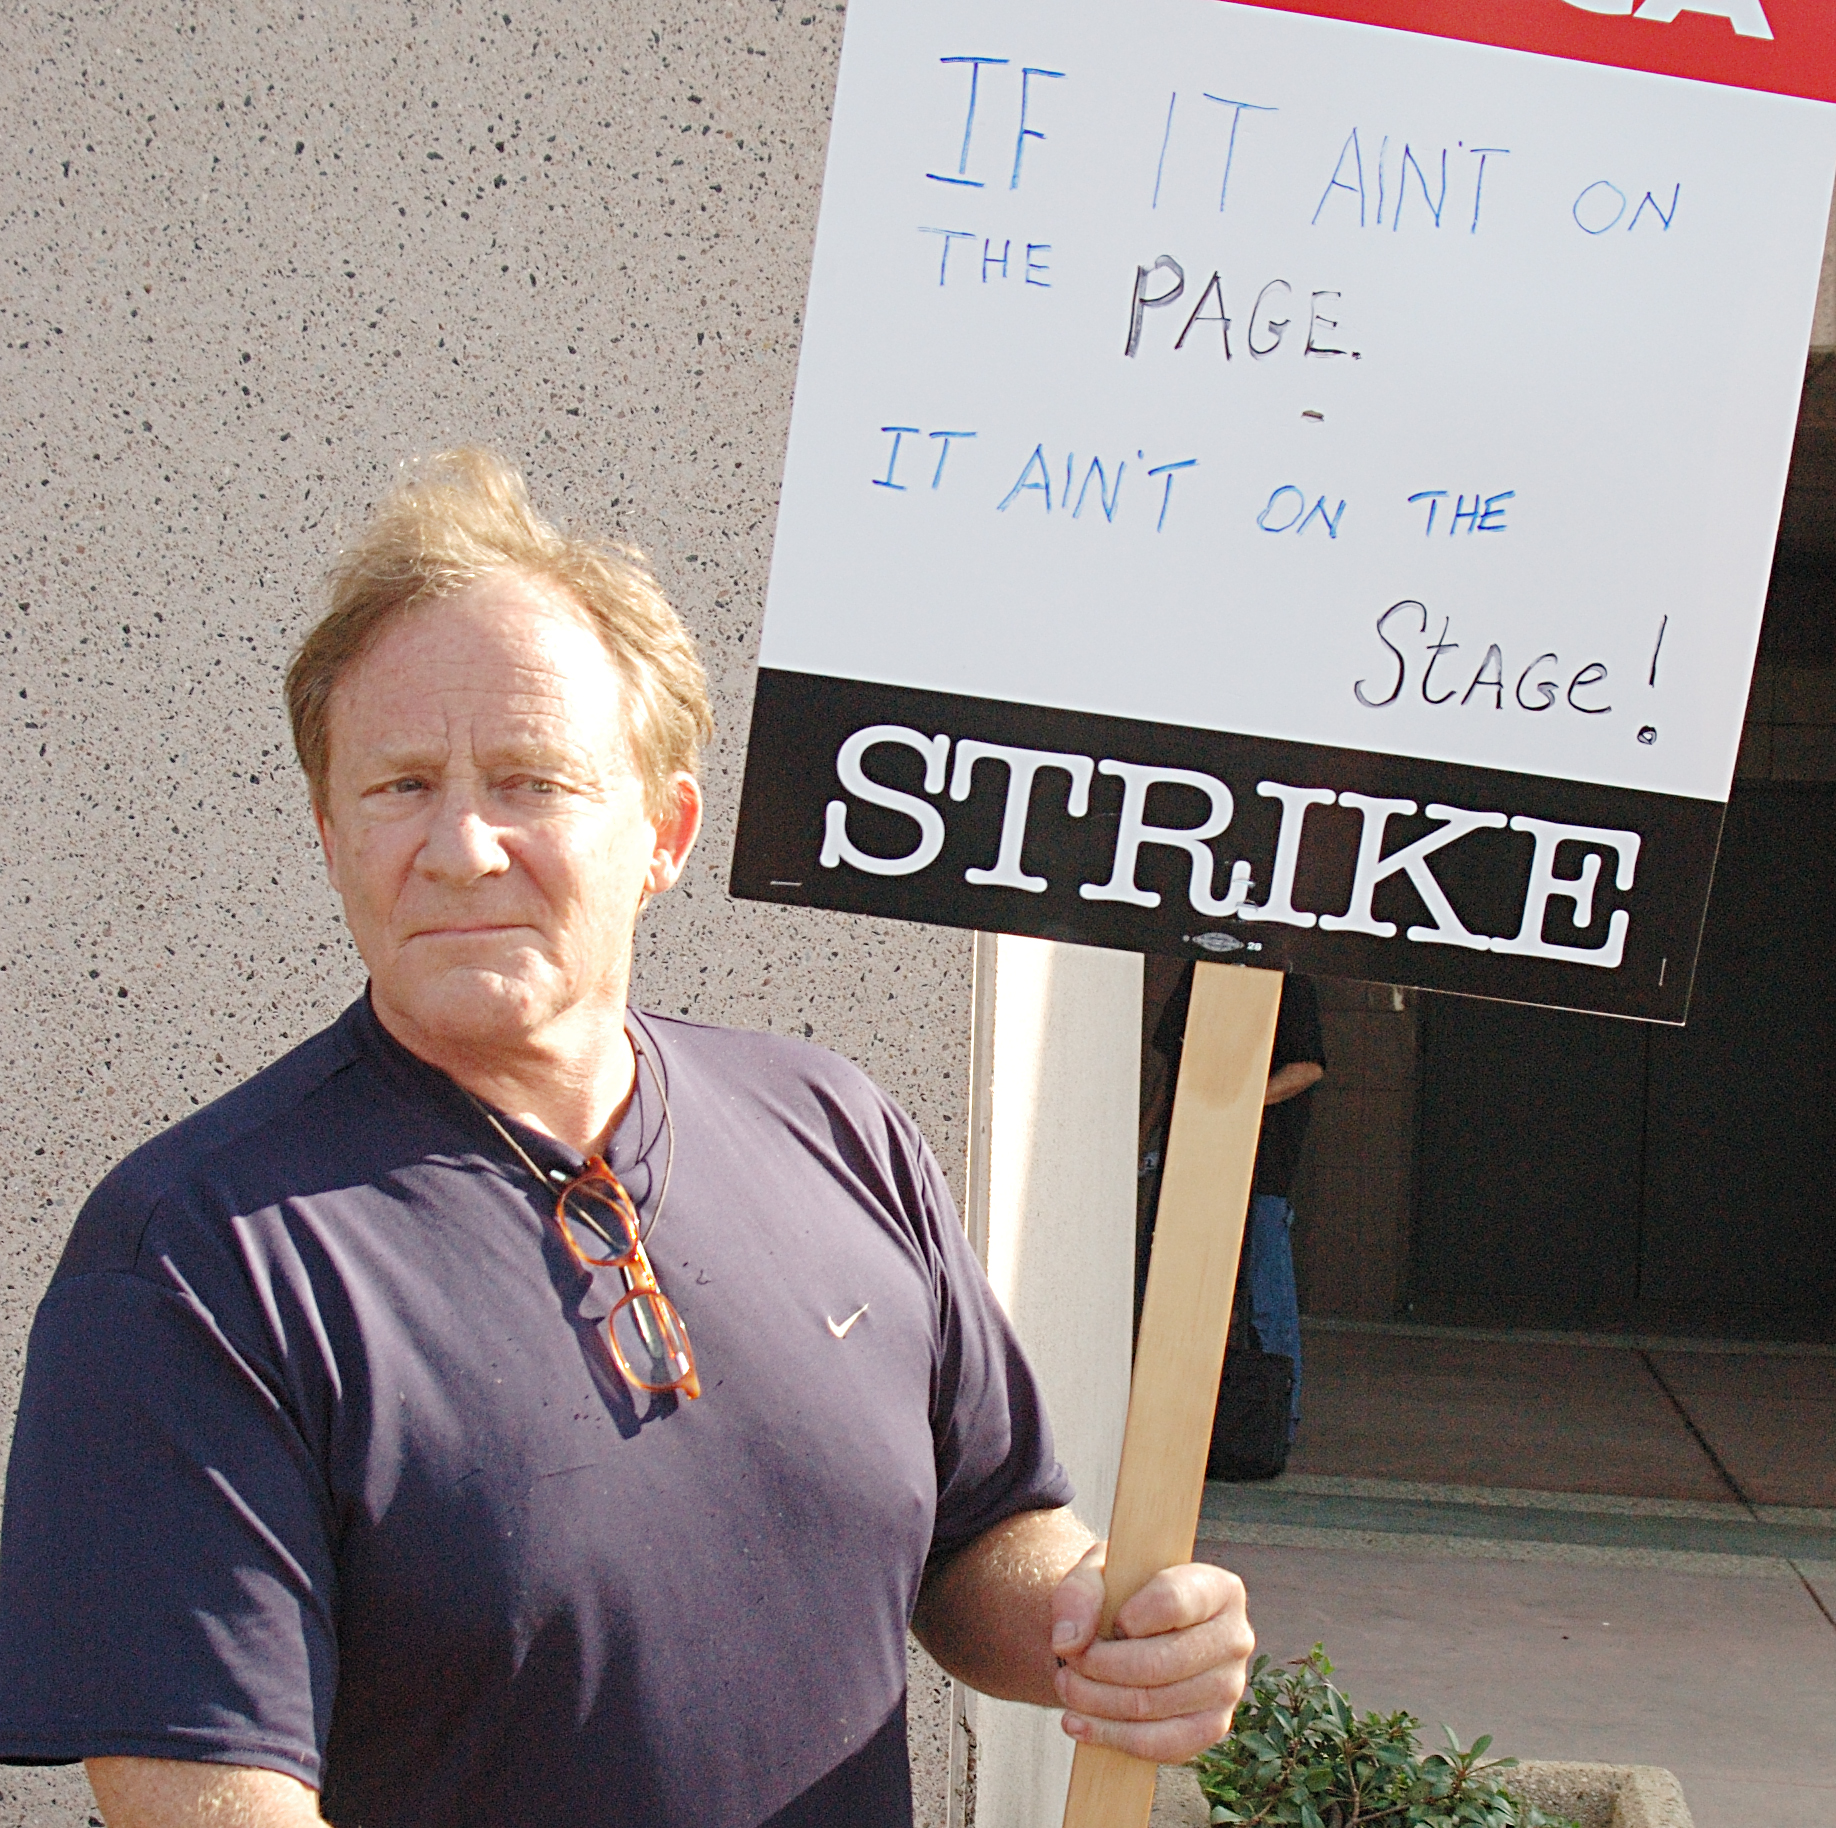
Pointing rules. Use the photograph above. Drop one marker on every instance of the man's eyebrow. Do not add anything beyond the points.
(541, 754)
(405, 758)
(537, 752)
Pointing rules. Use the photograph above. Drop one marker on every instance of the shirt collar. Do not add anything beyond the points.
(639, 1134)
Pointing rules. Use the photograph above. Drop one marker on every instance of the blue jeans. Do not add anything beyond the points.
(1274, 1305)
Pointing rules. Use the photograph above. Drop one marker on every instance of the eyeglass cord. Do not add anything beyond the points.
(669, 1158)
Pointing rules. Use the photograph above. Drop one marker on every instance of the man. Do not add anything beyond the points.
(508, 1407)
(1297, 1063)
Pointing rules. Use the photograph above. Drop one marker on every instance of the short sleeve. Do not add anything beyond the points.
(166, 1571)
(1297, 1028)
(993, 1441)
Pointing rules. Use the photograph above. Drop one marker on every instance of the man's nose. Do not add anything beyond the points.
(463, 843)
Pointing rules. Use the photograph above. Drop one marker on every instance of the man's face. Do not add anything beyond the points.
(486, 828)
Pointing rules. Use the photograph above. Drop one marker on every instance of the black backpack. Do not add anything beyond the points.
(1249, 1431)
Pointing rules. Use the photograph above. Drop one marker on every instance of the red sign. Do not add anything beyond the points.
(1787, 47)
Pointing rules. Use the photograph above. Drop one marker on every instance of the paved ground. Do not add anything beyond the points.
(1591, 1551)
(1558, 1415)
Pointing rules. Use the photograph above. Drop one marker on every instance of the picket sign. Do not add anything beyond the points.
(1293, 483)
(1198, 1237)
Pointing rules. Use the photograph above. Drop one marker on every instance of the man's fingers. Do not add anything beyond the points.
(1077, 1603)
(1163, 1742)
(1208, 1692)
(1167, 1689)
(1177, 1597)
(1163, 1694)
(1156, 1678)
(1226, 1641)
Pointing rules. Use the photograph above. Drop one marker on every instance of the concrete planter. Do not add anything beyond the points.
(1596, 1796)
(1178, 1800)
(1604, 1796)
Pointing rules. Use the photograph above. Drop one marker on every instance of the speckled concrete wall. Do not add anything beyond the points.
(253, 255)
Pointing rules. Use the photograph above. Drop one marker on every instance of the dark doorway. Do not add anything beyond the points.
(1528, 1179)
(1575, 1172)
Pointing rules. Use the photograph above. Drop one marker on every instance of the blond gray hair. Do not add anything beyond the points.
(457, 518)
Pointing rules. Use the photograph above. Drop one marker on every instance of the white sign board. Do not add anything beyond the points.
(1290, 486)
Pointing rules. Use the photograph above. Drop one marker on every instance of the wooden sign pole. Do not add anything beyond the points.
(1204, 1201)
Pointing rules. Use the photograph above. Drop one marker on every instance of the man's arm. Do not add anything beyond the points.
(1015, 1614)
(1291, 1080)
(174, 1793)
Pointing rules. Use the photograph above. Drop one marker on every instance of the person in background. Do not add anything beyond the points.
(1296, 1066)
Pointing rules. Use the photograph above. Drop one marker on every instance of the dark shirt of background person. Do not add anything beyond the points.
(1166, 998)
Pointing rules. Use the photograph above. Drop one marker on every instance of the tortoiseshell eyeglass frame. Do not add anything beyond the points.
(600, 1204)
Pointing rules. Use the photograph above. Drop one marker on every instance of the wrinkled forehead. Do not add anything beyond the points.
(507, 664)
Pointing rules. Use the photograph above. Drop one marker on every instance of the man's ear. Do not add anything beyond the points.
(327, 843)
(677, 831)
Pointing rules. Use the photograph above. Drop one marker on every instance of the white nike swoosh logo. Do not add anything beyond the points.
(841, 1331)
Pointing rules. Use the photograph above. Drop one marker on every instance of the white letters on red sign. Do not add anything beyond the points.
(1748, 17)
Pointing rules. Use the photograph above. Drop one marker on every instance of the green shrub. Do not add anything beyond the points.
(1298, 1755)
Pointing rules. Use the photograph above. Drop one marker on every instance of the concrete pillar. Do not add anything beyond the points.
(1054, 1088)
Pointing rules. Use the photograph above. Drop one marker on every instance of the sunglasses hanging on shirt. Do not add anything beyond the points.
(599, 1224)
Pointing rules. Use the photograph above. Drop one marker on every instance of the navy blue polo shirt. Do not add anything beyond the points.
(321, 1464)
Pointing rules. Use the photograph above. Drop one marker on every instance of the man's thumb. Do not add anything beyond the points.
(1077, 1604)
